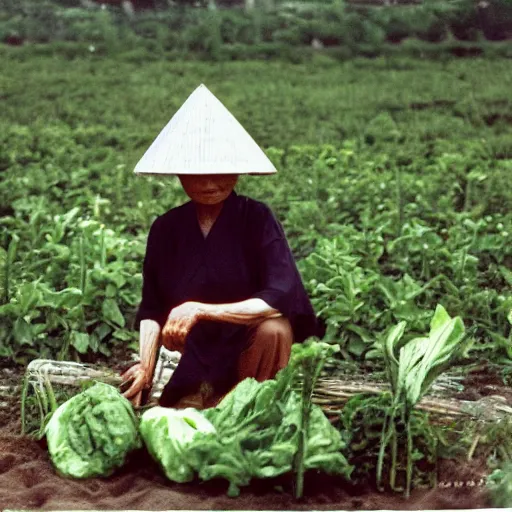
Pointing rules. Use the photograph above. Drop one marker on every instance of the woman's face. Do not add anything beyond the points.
(208, 188)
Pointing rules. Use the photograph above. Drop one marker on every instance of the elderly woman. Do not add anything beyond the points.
(220, 284)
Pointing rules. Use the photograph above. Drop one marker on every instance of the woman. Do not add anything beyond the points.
(220, 284)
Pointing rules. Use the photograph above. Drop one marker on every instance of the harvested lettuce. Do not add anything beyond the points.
(267, 431)
(168, 434)
(91, 434)
(254, 432)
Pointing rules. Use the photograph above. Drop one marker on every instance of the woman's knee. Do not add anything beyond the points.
(274, 330)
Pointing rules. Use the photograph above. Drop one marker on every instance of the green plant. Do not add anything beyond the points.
(500, 486)
(411, 369)
(92, 433)
(168, 434)
(258, 430)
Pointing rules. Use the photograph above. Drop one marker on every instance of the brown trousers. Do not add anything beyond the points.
(269, 349)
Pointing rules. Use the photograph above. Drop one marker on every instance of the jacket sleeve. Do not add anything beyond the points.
(151, 306)
(278, 278)
(280, 282)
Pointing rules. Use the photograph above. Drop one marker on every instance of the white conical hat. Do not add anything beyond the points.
(203, 137)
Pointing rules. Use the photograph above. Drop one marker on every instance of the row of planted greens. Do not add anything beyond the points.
(379, 244)
(407, 206)
(237, 33)
(272, 428)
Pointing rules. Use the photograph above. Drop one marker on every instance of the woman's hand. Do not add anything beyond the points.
(139, 376)
(179, 324)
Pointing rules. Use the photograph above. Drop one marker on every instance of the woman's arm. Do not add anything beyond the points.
(142, 373)
(246, 312)
(149, 344)
(182, 318)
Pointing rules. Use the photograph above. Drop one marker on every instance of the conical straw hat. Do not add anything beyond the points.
(203, 137)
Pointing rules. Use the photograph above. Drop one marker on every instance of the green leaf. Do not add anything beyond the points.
(363, 333)
(94, 342)
(111, 291)
(111, 312)
(69, 217)
(22, 332)
(440, 318)
(507, 274)
(105, 350)
(440, 347)
(117, 278)
(3, 275)
(80, 340)
(29, 296)
(356, 346)
(102, 331)
(11, 309)
(66, 299)
(390, 359)
(123, 335)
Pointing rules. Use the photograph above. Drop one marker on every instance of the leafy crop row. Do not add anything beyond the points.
(408, 206)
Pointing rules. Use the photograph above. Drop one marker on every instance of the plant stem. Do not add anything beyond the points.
(51, 394)
(473, 446)
(394, 453)
(304, 425)
(311, 371)
(103, 250)
(409, 459)
(40, 407)
(399, 201)
(382, 449)
(83, 267)
(9, 260)
(24, 392)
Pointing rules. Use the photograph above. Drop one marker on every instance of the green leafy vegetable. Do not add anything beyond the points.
(255, 431)
(168, 434)
(91, 433)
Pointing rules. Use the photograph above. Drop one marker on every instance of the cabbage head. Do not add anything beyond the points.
(169, 433)
(92, 433)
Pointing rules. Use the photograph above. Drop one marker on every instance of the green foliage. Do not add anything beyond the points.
(92, 433)
(170, 434)
(412, 368)
(385, 434)
(259, 430)
(362, 421)
(184, 27)
(388, 213)
(500, 486)
(70, 292)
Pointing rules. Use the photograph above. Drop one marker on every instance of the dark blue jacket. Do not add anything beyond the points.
(245, 255)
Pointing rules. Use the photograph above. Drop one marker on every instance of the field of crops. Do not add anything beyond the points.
(394, 189)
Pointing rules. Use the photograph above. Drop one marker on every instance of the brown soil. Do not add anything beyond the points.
(484, 381)
(28, 480)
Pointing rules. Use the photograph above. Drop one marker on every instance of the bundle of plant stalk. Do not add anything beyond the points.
(259, 430)
(387, 426)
